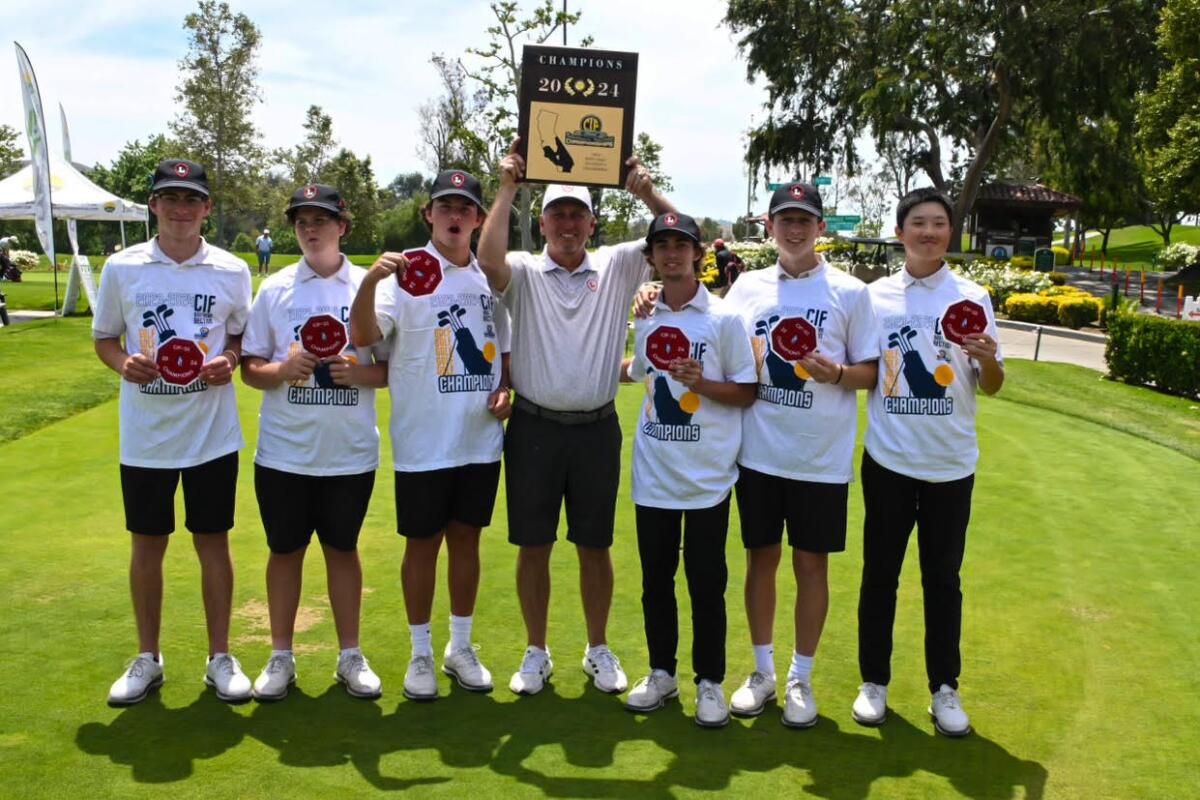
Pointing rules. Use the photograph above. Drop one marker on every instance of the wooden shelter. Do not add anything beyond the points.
(1017, 220)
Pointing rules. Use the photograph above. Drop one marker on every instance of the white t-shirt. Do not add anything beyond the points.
(445, 350)
(685, 449)
(798, 428)
(570, 328)
(316, 427)
(154, 302)
(922, 413)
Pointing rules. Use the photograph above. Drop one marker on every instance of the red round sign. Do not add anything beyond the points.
(179, 361)
(666, 344)
(423, 275)
(323, 336)
(963, 318)
(182, 170)
(794, 338)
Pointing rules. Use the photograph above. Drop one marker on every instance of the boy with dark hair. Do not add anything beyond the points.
(938, 337)
(181, 305)
(448, 376)
(318, 446)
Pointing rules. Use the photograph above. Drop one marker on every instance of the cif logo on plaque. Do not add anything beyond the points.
(576, 114)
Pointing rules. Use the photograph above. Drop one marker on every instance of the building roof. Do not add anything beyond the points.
(1011, 194)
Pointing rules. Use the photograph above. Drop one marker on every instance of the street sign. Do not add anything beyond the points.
(824, 180)
(840, 226)
(772, 187)
(852, 219)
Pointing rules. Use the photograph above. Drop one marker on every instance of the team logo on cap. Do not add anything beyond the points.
(458, 179)
(567, 189)
(797, 192)
(310, 192)
(669, 220)
(182, 170)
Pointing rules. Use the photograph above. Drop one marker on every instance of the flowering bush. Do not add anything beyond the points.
(1003, 281)
(1177, 256)
(1062, 256)
(755, 255)
(24, 260)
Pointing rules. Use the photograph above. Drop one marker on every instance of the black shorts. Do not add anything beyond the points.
(293, 506)
(209, 491)
(546, 462)
(815, 513)
(427, 501)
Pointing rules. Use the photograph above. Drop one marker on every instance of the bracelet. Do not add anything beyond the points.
(841, 372)
(236, 359)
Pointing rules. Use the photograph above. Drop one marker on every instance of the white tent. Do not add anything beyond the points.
(74, 196)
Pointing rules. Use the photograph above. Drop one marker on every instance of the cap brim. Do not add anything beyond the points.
(680, 231)
(798, 204)
(566, 198)
(330, 207)
(458, 193)
(195, 187)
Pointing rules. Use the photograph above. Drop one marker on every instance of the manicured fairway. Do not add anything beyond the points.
(1081, 644)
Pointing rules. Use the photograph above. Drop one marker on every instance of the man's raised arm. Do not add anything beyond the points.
(640, 183)
(493, 239)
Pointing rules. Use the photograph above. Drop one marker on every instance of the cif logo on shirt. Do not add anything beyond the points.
(669, 418)
(780, 343)
(455, 346)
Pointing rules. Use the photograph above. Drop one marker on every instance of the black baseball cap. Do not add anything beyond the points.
(673, 223)
(317, 195)
(176, 173)
(457, 182)
(797, 194)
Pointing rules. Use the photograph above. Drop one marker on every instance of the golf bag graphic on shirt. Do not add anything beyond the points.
(158, 319)
(926, 389)
(328, 337)
(453, 337)
(787, 377)
(178, 360)
(666, 407)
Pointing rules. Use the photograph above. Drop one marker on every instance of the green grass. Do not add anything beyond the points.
(1084, 394)
(1079, 642)
(1136, 245)
(49, 372)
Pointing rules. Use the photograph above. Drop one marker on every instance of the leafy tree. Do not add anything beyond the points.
(959, 73)
(619, 209)
(901, 155)
(129, 174)
(310, 158)
(10, 151)
(355, 178)
(446, 140)
(217, 94)
(709, 229)
(403, 226)
(499, 78)
(403, 187)
(868, 192)
(1169, 120)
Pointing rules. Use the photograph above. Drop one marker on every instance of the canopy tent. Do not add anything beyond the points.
(73, 195)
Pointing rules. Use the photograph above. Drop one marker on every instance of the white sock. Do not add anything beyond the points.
(764, 658)
(592, 647)
(460, 632)
(531, 649)
(349, 651)
(287, 653)
(801, 669)
(422, 639)
(153, 656)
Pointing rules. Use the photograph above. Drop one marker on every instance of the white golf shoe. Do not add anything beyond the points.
(142, 676)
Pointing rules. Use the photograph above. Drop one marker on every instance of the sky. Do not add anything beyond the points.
(114, 66)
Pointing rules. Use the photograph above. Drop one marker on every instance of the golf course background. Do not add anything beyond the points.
(1080, 634)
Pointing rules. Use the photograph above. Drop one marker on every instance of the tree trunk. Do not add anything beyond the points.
(1104, 244)
(983, 154)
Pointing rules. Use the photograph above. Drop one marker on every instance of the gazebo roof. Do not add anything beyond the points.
(1008, 194)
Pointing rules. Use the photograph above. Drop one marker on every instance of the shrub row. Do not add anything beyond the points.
(1143, 349)
(1058, 305)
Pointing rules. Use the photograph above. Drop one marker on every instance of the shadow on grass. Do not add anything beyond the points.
(470, 731)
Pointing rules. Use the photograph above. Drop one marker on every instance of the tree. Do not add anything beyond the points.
(619, 209)
(403, 226)
(710, 229)
(310, 158)
(952, 72)
(1169, 120)
(355, 179)
(446, 140)
(217, 94)
(900, 154)
(129, 174)
(10, 151)
(404, 186)
(499, 77)
(868, 191)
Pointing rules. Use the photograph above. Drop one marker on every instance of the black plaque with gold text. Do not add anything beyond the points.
(576, 114)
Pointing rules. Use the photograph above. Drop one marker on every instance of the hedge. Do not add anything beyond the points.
(1058, 305)
(1143, 349)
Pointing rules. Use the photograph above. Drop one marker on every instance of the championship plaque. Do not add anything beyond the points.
(576, 114)
(962, 319)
